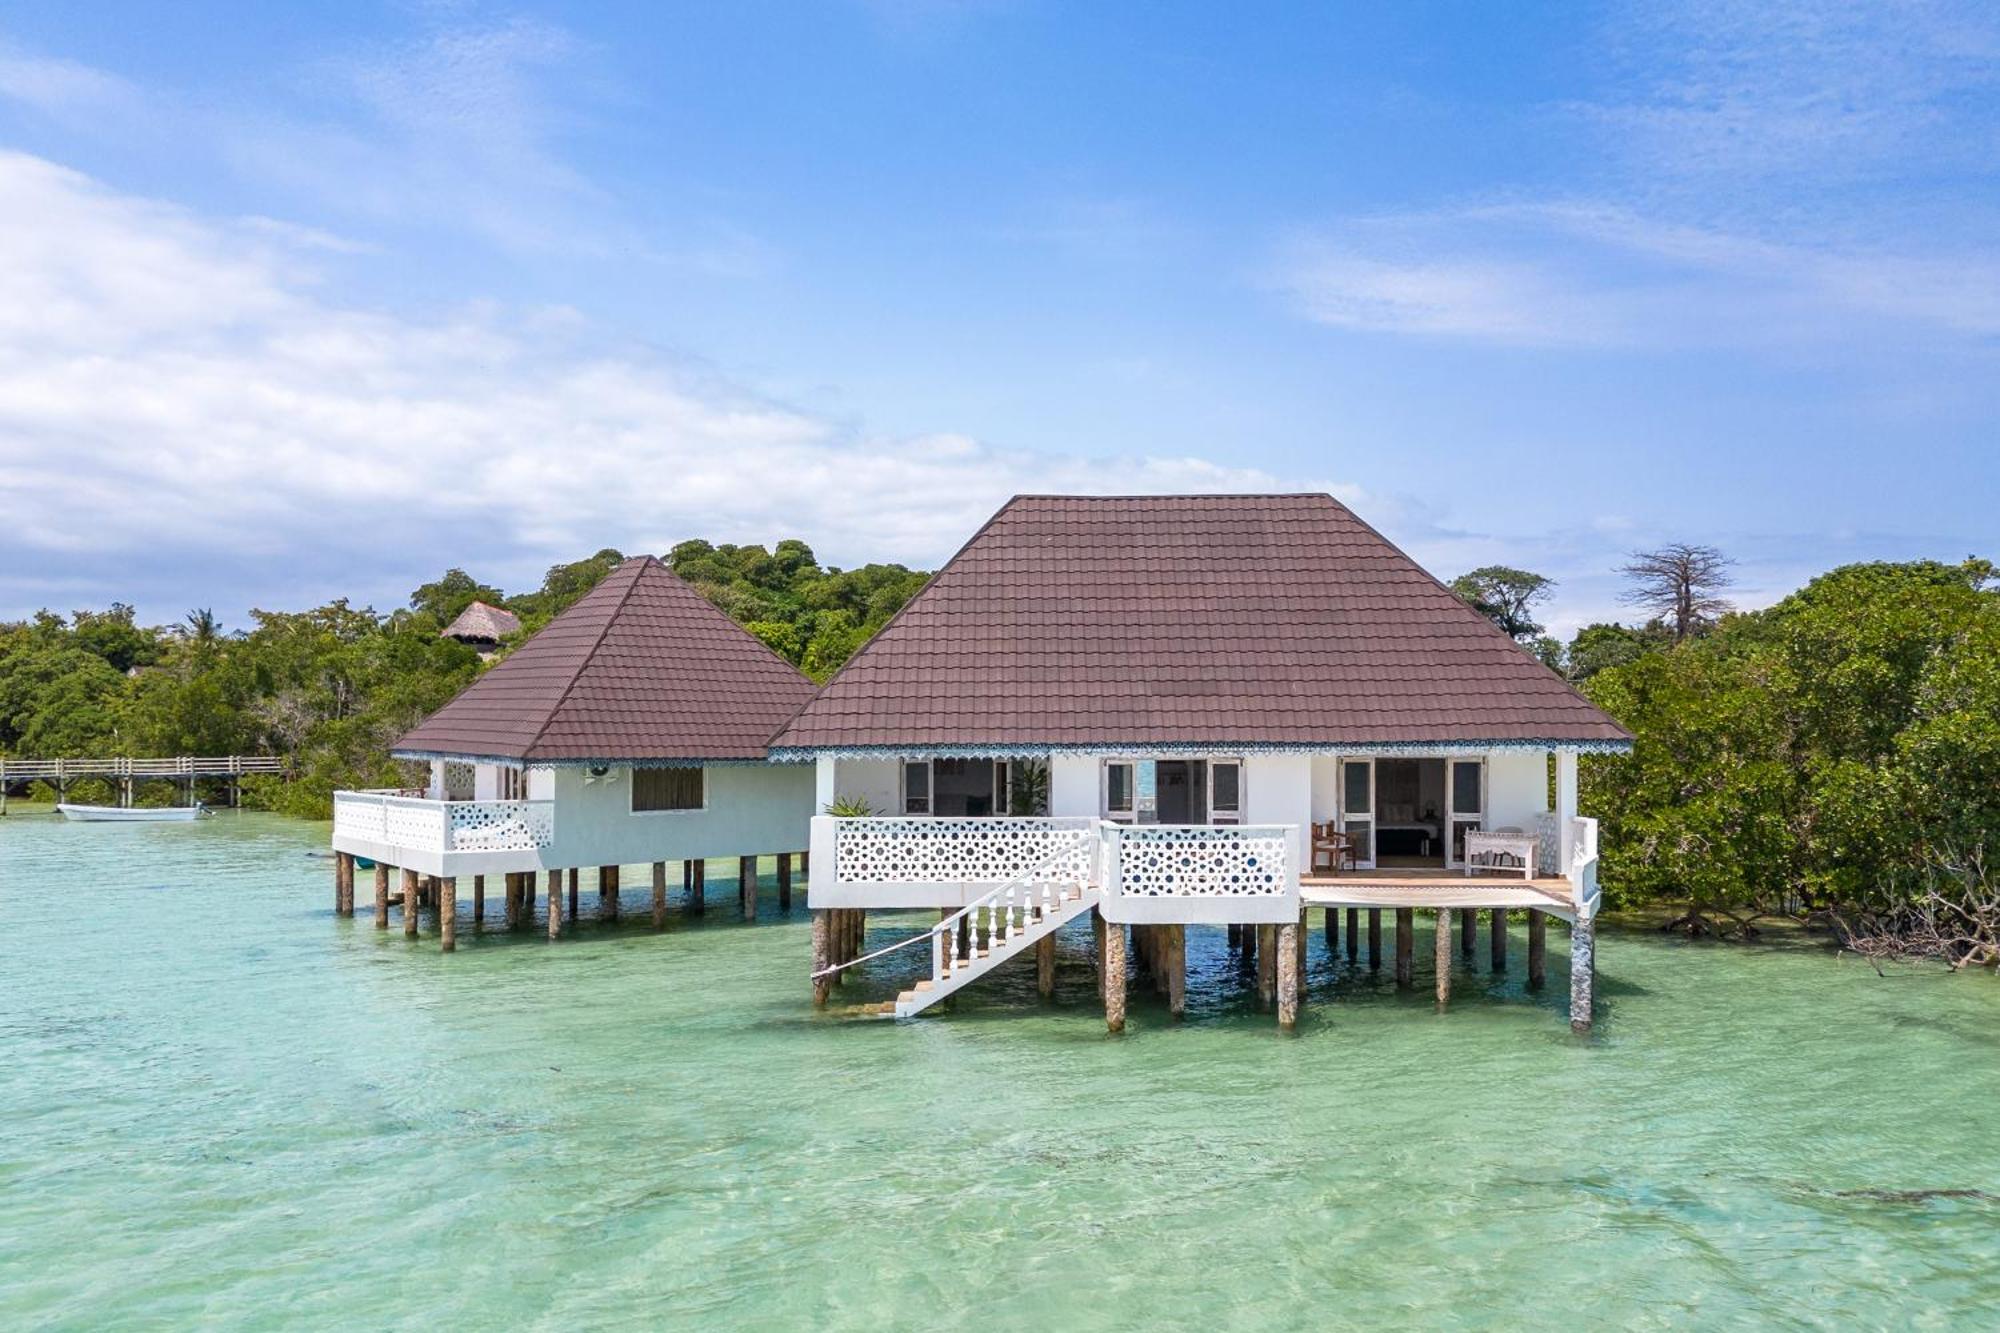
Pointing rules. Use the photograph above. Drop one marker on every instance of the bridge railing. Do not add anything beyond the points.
(182, 766)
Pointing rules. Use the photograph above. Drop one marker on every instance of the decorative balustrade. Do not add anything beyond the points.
(392, 819)
(1583, 865)
(1196, 861)
(964, 851)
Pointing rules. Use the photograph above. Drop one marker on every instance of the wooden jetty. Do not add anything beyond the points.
(127, 773)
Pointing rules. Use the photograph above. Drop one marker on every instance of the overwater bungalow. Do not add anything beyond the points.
(1194, 710)
(1151, 712)
(631, 729)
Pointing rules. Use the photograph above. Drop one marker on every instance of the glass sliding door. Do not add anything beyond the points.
(1465, 787)
(1357, 808)
(1119, 791)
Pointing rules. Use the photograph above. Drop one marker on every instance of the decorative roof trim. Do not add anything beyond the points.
(1191, 749)
(515, 761)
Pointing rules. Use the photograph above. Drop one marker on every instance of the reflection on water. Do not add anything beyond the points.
(224, 1105)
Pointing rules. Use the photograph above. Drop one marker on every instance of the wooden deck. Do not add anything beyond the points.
(1425, 887)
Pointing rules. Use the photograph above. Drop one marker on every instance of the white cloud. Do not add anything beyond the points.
(173, 389)
(63, 89)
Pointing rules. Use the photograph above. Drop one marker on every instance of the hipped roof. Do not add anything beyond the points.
(642, 668)
(1253, 620)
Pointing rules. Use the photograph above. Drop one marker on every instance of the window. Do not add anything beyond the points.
(1118, 790)
(656, 789)
(917, 787)
(513, 784)
(1225, 782)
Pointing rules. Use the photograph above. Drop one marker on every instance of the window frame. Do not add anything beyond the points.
(701, 777)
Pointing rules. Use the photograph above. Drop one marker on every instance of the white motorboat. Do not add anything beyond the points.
(114, 814)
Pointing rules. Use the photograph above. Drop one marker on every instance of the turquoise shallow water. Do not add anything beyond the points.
(219, 1104)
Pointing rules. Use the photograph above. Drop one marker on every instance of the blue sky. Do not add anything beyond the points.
(297, 303)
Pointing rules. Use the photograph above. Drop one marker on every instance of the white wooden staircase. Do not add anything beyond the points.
(996, 926)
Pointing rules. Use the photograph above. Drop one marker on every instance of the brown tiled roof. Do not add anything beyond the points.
(480, 621)
(642, 668)
(1199, 620)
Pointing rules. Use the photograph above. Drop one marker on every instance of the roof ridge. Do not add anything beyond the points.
(555, 708)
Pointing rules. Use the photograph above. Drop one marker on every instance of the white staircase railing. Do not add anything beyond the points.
(1583, 866)
(996, 925)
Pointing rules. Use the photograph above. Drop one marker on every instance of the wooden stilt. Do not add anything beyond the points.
(1267, 963)
(1497, 923)
(510, 900)
(1045, 966)
(1288, 975)
(695, 875)
(1405, 945)
(1538, 948)
(1374, 939)
(746, 885)
(1582, 972)
(1176, 970)
(1441, 956)
(784, 881)
(343, 884)
(574, 873)
(478, 899)
(1301, 947)
(1353, 933)
(1114, 979)
(659, 895)
(1235, 936)
(822, 953)
(410, 907)
(448, 913)
(556, 914)
(607, 893)
(1330, 927)
(528, 899)
(1097, 931)
(1468, 926)
(381, 896)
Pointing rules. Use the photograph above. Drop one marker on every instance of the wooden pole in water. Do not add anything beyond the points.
(1468, 926)
(478, 900)
(784, 881)
(343, 872)
(659, 895)
(1045, 966)
(410, 903)
(1097, 931)
(1267, 963)
(381, 896)
(1235, 936)
(1114, 979)
(1582, 972)
(1303, 933)
(696, 874)
(1405, 945)
(1288, 975)
(1441, 956)
(746, 885)
(1176, 969)
(448, 914)
(1330, 927)
(510, 901)
(1374, 939)
(1538, 948)
(575, 872)
(607, 893)
(1497, 921)
(1353, 933)
(556, 903)
(822, 953)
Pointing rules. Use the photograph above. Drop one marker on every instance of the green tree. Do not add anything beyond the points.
(1505, 596)
(444, 598)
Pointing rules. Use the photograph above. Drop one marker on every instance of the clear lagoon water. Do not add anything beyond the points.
(221, 1105)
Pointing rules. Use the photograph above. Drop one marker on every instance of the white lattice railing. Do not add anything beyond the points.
(1583, 865)
(1197, 861)
(394, 820)
(964, 851)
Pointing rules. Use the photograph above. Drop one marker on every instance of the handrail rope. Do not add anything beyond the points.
(1025, 879)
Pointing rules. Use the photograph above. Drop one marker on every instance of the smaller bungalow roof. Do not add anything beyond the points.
(480, 621)
(642, 668)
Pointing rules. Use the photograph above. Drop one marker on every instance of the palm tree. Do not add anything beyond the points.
(201, 627)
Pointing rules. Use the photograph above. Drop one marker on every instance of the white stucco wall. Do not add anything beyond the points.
(1277, 789)
(1073, 790)
(752, 809)
(1325, 787)
(876, 781)
(1516, 788)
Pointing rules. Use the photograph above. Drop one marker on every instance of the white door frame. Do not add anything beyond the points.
(1452, 816)
(1347, 816)
(1232, 816)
